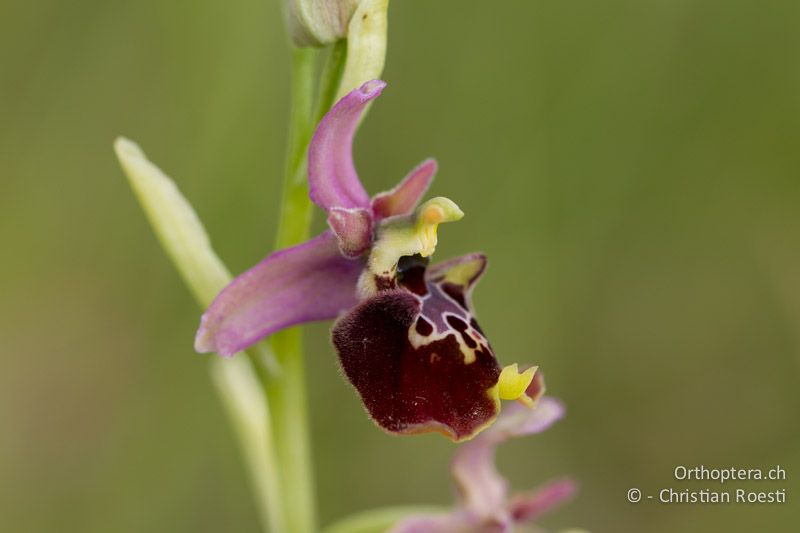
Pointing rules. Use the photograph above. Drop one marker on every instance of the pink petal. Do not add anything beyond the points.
(481, 487)
(404, 198)
(517, 420)
(353, 228)
(332, 178)
(529, 507)
(311, 281)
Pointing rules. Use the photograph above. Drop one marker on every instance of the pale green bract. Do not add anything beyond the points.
(363, 23)
(247, 408)
(366, 45)
(175, 223)
(186, 242)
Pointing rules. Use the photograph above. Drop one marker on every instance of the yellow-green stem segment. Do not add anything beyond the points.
(286, 391)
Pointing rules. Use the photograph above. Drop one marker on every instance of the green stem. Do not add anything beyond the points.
(331, 78)
(295, 217)
(286, 392)
(289, 414)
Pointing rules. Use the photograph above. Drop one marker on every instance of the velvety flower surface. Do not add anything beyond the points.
(406, 336)
(416, 354)
(484, 504)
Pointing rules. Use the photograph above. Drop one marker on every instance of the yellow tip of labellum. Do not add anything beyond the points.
(512, 383)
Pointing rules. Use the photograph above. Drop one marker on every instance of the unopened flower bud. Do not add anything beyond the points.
(319, 22)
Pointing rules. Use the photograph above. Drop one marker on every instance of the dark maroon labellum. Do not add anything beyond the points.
(417, 357)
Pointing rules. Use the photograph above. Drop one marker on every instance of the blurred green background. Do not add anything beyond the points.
(631, 168)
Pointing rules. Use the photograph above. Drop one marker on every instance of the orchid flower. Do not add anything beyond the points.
(484, 505)
(406, 336)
